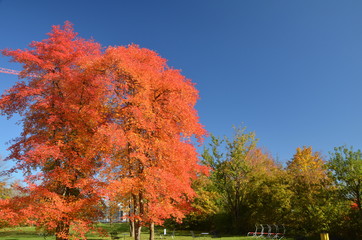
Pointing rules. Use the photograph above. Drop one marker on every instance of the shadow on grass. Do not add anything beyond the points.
(20, 233)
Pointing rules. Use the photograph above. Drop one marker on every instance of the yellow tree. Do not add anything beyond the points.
(311, 203)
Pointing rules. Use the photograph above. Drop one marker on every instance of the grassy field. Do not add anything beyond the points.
(29, 233)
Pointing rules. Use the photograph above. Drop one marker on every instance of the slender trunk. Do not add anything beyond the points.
(110, 216)
(138, 227)
(136, 222)
(141, 212)
(62, 231)
(131, 222)
(152, 231)
(131, 228)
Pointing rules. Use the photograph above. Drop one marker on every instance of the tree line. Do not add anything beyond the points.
(246, 186)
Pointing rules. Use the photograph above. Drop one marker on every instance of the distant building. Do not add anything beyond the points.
(112, 214)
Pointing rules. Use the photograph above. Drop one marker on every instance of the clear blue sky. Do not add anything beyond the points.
(289, 70)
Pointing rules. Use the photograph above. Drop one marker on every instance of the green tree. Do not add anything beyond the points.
(241, 173)
(205, 207)
(346, 168)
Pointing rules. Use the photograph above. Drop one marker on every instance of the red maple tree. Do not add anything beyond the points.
(62, 113)
(158, 120)
(117, 124)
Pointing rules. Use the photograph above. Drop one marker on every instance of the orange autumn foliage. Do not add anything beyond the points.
(116, 124)
(308, 166)
(156, 105)
(62, 112)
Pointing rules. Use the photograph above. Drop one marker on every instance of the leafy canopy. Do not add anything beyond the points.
(99, 124)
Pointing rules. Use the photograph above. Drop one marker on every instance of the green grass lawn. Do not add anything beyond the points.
(29, 233)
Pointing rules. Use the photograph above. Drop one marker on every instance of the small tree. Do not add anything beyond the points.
(346, 168)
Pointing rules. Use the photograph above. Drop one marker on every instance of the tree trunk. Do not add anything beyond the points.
(131, 222)
(131, 228)
(110, 216)
(138, 227)
(152, 231)
(62, 231)
(136, 212)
